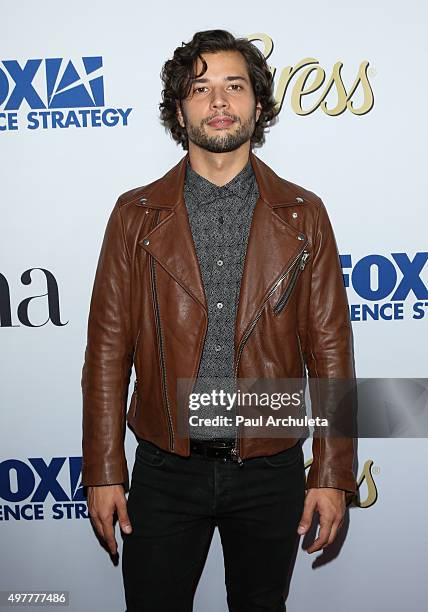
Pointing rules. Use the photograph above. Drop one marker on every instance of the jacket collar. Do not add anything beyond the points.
(167, 192)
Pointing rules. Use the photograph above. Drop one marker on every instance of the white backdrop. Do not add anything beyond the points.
(58, 186)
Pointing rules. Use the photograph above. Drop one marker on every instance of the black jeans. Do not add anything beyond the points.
(174, 504)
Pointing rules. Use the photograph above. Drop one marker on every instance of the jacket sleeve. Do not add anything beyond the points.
(107, 362)
(330, 355)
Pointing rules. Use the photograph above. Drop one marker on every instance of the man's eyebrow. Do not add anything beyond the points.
(227, 78)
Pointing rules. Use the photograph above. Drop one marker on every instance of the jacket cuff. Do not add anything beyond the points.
(96, 474)
(337, 479)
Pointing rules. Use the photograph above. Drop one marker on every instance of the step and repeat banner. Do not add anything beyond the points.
(79, 124)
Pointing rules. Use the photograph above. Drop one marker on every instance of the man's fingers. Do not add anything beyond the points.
(107, 523)
(98, 526)
(308, 512)
(323, 536)
(335, 528)
(103, 502)
(122, 513)
(331, 507)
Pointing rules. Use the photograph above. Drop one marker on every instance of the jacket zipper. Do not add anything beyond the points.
(162, 356)
(133, 403)
(302, 361)
(236, 449)
(135, 393)
(281, 303)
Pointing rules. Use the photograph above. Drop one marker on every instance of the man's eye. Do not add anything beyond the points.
(236, 85)
(199, 88)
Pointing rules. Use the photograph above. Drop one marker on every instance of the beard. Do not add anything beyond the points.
(223, 143)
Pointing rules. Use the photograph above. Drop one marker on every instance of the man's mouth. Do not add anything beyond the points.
(220, 122)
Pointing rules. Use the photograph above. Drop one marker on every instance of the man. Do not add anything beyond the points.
(223, 268)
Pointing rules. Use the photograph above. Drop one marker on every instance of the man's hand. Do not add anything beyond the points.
(330, 504)
(102, 503)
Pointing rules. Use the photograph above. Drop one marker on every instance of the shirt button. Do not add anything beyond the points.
(219, 262)
(219, 304)
(217, 347)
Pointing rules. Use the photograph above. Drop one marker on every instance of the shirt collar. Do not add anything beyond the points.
(206, 191)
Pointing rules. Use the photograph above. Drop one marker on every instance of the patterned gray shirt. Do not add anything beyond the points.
(220, 219)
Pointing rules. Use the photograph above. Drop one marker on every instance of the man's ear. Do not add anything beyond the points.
(179, 113)
(258, 111)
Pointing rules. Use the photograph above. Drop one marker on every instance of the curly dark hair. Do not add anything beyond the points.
(177, 75)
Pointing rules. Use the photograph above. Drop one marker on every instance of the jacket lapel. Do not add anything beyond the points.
(272, 242)
(171, 242)
(272, 245)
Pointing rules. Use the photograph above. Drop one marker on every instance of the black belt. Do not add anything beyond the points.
(213, 448)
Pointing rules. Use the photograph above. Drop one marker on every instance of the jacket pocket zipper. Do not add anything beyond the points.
(161, 351)
(300, 264)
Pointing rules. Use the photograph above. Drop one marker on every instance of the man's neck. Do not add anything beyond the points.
(218, 168)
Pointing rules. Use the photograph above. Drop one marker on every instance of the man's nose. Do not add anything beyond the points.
(219, 100)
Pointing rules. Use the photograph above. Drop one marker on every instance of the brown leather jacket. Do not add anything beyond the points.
(148, 308)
